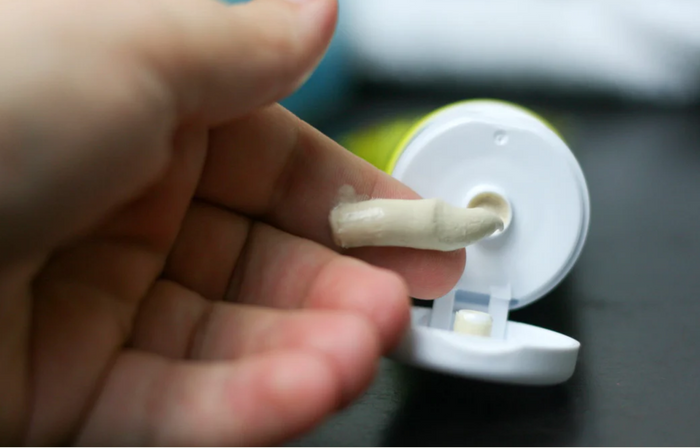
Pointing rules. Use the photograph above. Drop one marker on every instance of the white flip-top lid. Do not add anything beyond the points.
(489, 146)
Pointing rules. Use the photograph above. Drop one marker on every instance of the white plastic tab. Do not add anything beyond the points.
(499, 307)
(443, 312)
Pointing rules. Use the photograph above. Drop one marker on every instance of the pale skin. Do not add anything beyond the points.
(167, 274)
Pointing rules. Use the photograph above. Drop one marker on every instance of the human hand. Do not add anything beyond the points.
(167, 275)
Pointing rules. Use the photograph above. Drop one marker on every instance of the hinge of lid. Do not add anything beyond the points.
(497, 304)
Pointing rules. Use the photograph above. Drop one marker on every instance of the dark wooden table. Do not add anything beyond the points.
(633, 301)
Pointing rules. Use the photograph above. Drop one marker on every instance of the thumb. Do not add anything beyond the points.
(75, 147)
(222, 61)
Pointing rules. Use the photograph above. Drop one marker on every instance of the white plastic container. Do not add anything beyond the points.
(488, 146)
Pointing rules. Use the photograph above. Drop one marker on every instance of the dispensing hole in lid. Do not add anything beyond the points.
(495, 203)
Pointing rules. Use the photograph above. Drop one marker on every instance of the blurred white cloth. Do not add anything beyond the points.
(646, 50)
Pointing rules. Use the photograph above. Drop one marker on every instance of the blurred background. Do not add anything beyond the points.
(620, 79)
(634, 53)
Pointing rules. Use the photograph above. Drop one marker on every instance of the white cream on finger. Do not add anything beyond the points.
(430, 224)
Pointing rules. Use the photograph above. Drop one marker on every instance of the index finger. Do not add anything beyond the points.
(276, 168)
